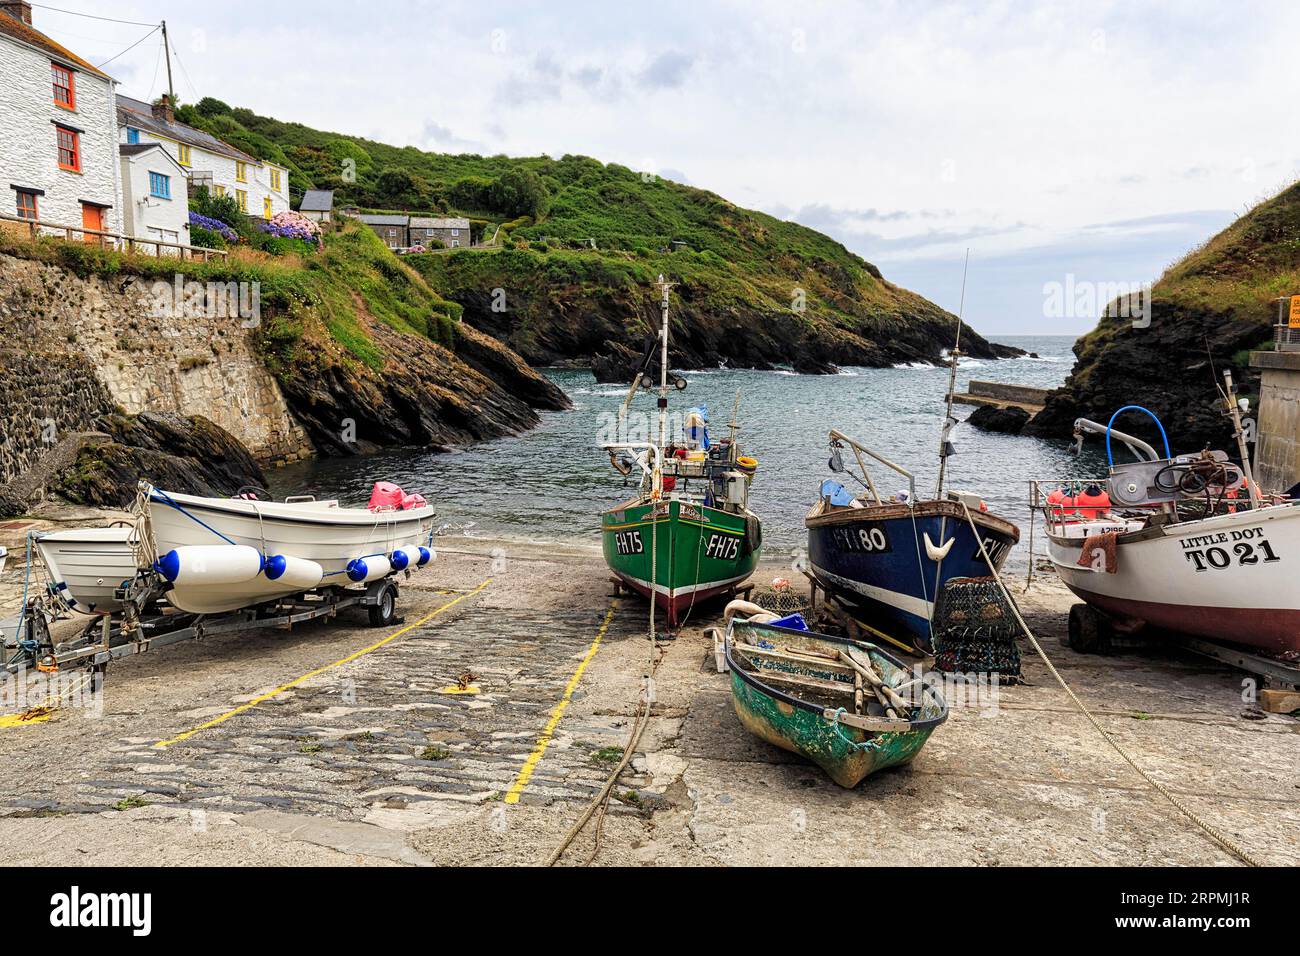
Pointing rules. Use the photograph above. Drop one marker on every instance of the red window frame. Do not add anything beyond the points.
(64, 84)
(27, 207)
(69, 146)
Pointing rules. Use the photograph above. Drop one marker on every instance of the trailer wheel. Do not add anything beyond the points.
(384, 611)
(1089, 630)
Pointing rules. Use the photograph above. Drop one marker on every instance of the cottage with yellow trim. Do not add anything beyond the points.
(260, 188)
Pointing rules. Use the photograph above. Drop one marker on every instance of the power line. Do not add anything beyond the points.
(91, 16)
(131, 47)
(156, 63)
(194, 90)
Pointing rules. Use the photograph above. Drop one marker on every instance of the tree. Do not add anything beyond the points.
(209, 106)
(519, 192)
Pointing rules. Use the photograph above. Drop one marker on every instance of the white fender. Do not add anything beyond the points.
(211, 564)
(937, 554)
(293, 572)
(370, 568)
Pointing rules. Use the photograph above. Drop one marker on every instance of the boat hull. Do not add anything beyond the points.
(847, 754)
(875, 562)
(700, 552)
(1227, 578)
(329, 536)
(88, 565)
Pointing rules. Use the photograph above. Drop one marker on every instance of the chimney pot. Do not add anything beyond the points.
(162, 110)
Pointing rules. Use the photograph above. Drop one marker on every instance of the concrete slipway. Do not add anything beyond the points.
(368, 754)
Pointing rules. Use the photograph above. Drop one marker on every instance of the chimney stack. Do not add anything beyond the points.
(18, 9)
(162, 110)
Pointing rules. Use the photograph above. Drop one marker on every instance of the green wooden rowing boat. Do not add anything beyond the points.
(797, 690)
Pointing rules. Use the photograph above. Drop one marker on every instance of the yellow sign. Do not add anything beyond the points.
(1294, 323)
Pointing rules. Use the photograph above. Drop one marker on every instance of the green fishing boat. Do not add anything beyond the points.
(688, 535)
(848, 706)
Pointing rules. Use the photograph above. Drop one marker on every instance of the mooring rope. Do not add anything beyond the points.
(601, 800)
(1212, 831)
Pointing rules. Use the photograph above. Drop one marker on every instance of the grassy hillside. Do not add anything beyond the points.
(1208, 311)
(770, 286)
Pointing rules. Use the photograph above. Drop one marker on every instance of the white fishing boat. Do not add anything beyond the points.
(87, 565)
(1189, 544)
(225, 553)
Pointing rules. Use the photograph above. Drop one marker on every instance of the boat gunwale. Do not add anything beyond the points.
(748, 677)
(360, 517)
(818, 517)
(1179, 529)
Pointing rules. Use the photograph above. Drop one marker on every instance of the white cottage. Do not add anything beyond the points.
(154, 196)
(260, 188)
(58, 151)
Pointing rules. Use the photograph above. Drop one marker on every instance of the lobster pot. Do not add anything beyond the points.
(294, 572)
(782, 601)
(211, 564)
(370, 568)
(975, 630)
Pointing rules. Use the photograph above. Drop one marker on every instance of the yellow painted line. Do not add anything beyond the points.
(320, 670)
(526, 771)
(25, 719)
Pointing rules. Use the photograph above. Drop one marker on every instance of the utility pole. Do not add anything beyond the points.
(167, 50)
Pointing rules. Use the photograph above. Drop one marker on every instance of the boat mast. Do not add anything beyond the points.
(1239, 433)
(734, 425)
(664, 286)
(944, 446)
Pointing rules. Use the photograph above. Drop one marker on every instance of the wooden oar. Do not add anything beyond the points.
(884, 693)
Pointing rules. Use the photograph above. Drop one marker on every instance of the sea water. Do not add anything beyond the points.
(551, 483)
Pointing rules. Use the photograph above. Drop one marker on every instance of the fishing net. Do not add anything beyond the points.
(781, 601)
(975, 630)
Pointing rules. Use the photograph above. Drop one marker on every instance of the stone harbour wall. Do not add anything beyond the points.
(44, 398)
(75, 347)
(1277, 452)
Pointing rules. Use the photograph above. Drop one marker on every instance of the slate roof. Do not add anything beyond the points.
(317, 200)
(374, 220)
(137, 113)
(423, 222)
(10, 26)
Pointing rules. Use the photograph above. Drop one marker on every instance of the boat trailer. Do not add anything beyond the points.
(146, 621)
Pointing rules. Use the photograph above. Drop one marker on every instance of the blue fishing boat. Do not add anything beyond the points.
(886, 561)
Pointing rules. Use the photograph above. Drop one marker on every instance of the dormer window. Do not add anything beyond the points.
(65, 92)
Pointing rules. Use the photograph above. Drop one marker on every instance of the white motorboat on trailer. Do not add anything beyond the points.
(87, 566)
(1188, 544)
(221, 554)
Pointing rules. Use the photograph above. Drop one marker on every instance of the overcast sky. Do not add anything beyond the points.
(1093, 140)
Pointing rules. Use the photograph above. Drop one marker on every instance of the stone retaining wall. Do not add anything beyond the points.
(74, 348)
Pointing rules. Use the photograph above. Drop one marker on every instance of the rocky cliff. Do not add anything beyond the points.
(587, 308)
(1207, 312)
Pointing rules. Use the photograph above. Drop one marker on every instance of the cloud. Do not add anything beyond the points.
(1041, 134)
(667, 70)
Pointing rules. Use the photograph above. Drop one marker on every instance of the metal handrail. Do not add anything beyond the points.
(860, 450)
(115, 238)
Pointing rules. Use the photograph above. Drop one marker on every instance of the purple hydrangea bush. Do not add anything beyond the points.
(214, 225)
